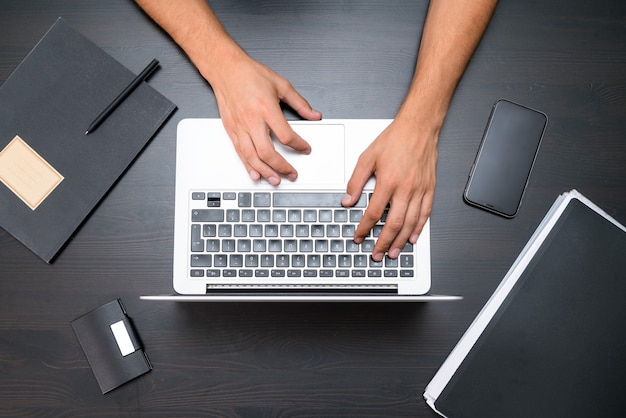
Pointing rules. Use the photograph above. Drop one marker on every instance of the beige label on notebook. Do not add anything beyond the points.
(26, 173)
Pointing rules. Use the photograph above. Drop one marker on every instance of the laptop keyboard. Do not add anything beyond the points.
(285, 234)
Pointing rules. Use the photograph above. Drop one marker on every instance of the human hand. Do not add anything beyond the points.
(403, 158)
(248, 95)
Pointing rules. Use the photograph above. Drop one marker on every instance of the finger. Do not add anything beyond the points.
(360, 175)
(410, 221)
(425, 211)
(393, 225)
(290, 96)
(373, 214)
(255, 166)
(286, 135)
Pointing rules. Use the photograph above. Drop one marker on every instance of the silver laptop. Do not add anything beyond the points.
(239, 240)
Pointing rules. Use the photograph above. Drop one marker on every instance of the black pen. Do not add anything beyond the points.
(120, 98)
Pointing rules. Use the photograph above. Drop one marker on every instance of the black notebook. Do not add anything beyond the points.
(52, 174)
(550, 341)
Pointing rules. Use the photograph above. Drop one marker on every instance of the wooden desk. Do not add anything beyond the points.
(350, 60)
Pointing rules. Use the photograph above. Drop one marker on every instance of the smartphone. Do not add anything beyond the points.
(507, 152)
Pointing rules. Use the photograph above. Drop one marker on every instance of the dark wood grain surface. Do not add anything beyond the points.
(350, 59)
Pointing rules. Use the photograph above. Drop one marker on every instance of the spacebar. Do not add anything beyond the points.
(313, 200)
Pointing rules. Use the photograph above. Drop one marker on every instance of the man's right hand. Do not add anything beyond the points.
(248, 97)
(248, 93)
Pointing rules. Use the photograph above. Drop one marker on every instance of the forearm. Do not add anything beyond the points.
(452, 31)
(195, 28)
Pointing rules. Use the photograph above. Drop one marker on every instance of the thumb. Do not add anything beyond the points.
(361, 174)
(300, 105)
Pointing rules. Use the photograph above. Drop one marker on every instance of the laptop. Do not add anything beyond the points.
(240, 240)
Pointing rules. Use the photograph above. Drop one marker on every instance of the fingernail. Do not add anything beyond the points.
(274, 181)
(378, 257)
(394, 253)
(254, 175)
(413, 238)
(292, 176)
(346, 199)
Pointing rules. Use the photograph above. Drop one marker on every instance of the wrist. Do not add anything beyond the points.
(423, 114)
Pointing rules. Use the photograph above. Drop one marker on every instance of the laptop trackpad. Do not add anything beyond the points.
(325, 163)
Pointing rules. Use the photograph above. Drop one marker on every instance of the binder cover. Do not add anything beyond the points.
(550, 341)
(111, 345)
(52, 174)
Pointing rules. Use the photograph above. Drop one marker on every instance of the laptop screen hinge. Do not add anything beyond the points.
(302, 288)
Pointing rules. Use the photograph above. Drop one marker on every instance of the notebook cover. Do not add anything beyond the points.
(555, 347)
(48, 101)
(110, 367)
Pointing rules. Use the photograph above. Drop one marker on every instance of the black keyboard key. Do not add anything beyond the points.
(329, 260)
(259, 245)
(212, 245)
(220, 260)
(236, 260)
(344, 260)
(406, 260)
(298, 260)
(244, 200)
(248, 215)
(262, 200)
(294, 215)
(252, 260)
(282, 260)
(207, 215)
(228, 245)
(225, 230)
(201, 260)
(209, 230)
(198, 196)
(232, 215)
(264, 215)
(213, 200)
(341, 215)
(244, 245)
(279, 215)
(197, 243)
(391, 262)
(326, 215)
(313, 260)
(267, 260)
(356, 215)
(313, 200)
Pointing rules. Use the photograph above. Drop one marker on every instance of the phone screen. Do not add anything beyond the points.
(505, 158)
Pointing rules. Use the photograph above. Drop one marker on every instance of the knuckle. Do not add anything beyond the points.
(394, 224)
(265, 153)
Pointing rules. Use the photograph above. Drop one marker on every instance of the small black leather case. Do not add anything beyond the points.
(111, 345)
